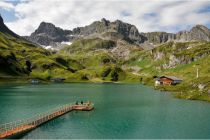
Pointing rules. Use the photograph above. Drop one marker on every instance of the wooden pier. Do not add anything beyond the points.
(13, 129)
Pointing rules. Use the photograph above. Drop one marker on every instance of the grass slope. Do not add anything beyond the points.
(186, 58)
(85, 61)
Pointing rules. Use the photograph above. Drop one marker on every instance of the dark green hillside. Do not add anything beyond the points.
(100, 64)
(23, 60)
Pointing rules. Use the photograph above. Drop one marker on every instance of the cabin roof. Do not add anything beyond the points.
(172, 78)
(58, 79)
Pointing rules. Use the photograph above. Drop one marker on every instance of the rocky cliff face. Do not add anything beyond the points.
(48, 34)
(50, 30)
(172, 54)
(128, 31)
(197, 33)
(159, 37)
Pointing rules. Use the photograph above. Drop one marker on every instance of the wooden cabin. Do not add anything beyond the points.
(57, 80)
(167, 80)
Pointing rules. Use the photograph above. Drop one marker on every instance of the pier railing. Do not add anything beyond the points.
(11, 128)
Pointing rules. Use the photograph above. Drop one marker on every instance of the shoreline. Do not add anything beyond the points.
(176, 93)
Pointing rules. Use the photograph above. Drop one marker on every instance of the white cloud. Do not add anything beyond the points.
(146, 15)
(6, 6)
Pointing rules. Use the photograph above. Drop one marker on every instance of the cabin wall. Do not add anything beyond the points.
(166, 81)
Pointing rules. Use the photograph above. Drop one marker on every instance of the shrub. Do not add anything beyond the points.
(106, 72)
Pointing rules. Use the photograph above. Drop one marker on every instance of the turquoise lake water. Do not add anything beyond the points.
(121, 111)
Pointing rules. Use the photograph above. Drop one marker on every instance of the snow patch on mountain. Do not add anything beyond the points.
(66, 43)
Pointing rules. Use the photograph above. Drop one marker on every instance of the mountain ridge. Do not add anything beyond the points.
(127, 31)
(111, 58)
(48, 34)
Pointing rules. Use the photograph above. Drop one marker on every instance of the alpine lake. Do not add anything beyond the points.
(121, 111)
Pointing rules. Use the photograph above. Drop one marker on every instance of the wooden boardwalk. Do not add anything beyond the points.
(10, 130)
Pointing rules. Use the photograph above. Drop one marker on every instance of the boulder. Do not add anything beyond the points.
(201, 87)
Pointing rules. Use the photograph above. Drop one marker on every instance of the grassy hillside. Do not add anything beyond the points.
(99, 60)
(22, 59)
(181, 60)
(86, 45)
(83, 62)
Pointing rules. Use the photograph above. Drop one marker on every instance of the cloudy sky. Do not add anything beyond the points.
(24, 16)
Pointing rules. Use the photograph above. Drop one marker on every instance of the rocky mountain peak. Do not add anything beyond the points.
(46, 25)
(48, 34)
(105, 22)
(198, 32)
(128, 31)
(118, 21)
(199, 26)
(50, 30)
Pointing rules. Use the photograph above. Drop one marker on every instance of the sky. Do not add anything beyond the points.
(24, 16)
